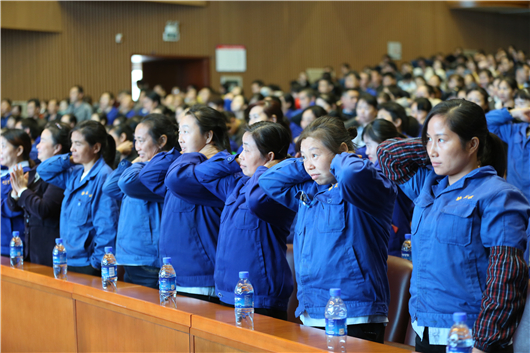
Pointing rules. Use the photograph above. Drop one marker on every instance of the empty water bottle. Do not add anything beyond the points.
(16, 251)
(59, 260)
(460, 339)
(167, 284)
(406, 249)
(336, 315)
(244, 302)
(109, 270)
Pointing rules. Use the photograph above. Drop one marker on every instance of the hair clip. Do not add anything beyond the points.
(58, 126)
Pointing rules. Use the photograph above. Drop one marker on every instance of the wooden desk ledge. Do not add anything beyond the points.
(206, 327)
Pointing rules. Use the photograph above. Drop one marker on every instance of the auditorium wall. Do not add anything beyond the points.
(282, 38)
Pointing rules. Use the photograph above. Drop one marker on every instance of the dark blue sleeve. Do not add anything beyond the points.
(500, 122)
(111, 187)
(284, 181)
(131, 185)
(56, 170)
(361, 184)
(220, 174)
(154, 172)
(265, 207)
(182, 182)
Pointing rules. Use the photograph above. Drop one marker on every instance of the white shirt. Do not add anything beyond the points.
(369, 319)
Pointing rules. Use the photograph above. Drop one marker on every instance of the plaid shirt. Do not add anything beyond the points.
(504, 298)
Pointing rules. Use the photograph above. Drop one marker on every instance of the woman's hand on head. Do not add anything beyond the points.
(209, 151)
(125, 148)
(521, 114)
(272, 163)
(137, 159)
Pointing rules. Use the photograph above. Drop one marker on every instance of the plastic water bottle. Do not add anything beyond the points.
(109, 270)
(16, 251)
(460, 339)
(59, 260)
(336, 315)
(167, 284)
(244, 302)
(406, 249)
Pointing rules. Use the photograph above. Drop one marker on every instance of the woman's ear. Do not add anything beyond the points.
(274, 119)
(343, 147)
(96, 148)
(162, 140)
(19, 151)
(209, 137)
(270, 156)
(57, 149)
(398, 123)
(473, 145)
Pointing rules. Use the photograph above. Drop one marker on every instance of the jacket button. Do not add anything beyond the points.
(79, 204)
(329, 200)
(220, 295)
(229, 159)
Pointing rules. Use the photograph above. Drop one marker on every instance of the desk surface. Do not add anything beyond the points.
(199, 316)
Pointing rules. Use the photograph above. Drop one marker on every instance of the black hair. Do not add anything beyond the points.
(423, 104)
(309, 92)
(94, 132)
(288, 98)
(354, 73)
(270, 137)
(331, 132)
(102, 117)
(35, 101)
(121, 118)
(272, 107)
(522, 94)
(72, 120)
(259, 83)
(123, 129)
(430, 89)
(34, 129)
(152, 95)
(390, 74)
(468, 120)
(60, 134)
(369, 99)
(487, 71)
(385, 96)
(484, 95)
(17, 138)
(111, 95)
(317, 111)
(381, 130)
(79, 88)
(510, 81)
(159, 125)
(210, 119)
(329, 98)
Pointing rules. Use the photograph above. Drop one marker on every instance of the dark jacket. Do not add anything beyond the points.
(41, 203)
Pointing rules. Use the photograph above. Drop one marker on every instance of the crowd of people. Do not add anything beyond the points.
(342, 167)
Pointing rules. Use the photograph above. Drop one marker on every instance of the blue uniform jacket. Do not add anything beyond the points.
(188, 231)
(11, 220)
(342, 233)
(501, 123)
(88, 216)
(252, 237)
(140, 213)
(452, 228)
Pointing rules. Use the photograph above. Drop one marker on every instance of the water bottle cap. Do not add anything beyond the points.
(166, 260)
(334, 292)
(243, 274)
(459, 317)
(58, 241)
(16, 233)
(407, 236)
(108, 249)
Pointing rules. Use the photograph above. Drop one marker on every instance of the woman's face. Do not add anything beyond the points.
(46, 147)
(419, 115)
(307, 118)
(256, 114)
(478, 99)
(237, 104)
(317, 161)
(445, 150)
(190, 137)
(365, 112)
(322, 103)
(82, 152)
(505, 92)
(371, 148)
(148, 104)
(522, 103)
(251, 158)
(144, 143)
(10, 155)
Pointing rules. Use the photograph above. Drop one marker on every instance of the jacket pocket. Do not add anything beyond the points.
(182, 206)
(244, 220)
(455, 224)
(79, 212)
(356, 273)
(331, 217)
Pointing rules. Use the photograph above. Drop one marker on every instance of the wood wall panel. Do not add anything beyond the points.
(32, 15)
(282, 38)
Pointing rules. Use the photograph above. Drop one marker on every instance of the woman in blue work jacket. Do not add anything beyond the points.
(468, 228)
(16, 145)
(88, 216)
(141, 209)
(343, 226)
(254, 228)
(189, 230)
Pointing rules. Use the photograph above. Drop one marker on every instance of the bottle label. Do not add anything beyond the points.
(15, 251)
(59, 259)
(109, 271)
(459, 349)
(336, 327)
(407, 255)
(167, 284)
(244, 301)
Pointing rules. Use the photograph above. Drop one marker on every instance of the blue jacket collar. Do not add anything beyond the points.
(443, 184)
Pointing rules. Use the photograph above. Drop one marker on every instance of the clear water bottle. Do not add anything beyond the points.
(109, 270)
(16, 251)
(167, 284)
(406, 249)
(59, 260)
(460, 339)
(244, 302)
(336, 315)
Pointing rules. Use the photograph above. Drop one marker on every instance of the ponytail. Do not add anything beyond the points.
(109, 153)
(94, 132)
(494, 154)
